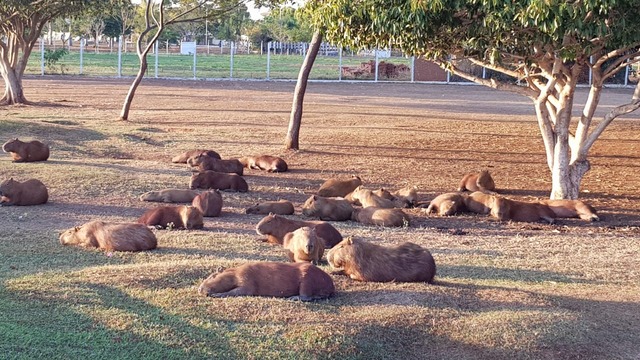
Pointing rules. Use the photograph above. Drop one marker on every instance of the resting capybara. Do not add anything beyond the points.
(170, 195)
(364, 261)
(209, 203)
(182, 158)
(481, 181)
(300, 281)
(111, 236)
(304, 245)
(26, 151)
(203, 162)
(336, 209)
(384, 193)
(176, 217)
(338, 187)
(368, 198)
(29, 192)
(505, 209)
(380, 216)
(572, 209)
(215, 180)
(407, 196)
(276, 227)
(280, 207)
(447, 204)
(479, 202)
(265, 162)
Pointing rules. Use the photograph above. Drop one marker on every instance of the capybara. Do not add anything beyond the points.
(203, 162)
(276, 227)
(572, 209)
(367, 198)
(407, 196)
(265, 162)
(209, 203)
(447, 204)
(365, 261)
(338, 187)
(111, 236)
(215, 180)
(336, 209)
(176, 217)
(481, 181)
(479, 202)
(304, 245)
(384, 193)
(280, 207)
(506, 209)
(301, 281)
(26, 151)
(29, 192)
(380, 216)
(182, 158)
(170, 195)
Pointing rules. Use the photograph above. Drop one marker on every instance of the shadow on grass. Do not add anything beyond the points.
(49, 129)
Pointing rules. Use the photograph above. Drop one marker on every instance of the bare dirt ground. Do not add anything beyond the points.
(508, 290)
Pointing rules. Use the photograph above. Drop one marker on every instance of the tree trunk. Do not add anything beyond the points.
(292, 141)
(124, 115)
(566, 182)
(13, 93)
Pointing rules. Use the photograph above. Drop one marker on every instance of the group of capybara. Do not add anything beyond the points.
(303, 241)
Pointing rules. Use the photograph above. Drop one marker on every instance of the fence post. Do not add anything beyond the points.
(120, 56)
(340, 64)
(156, 64)
(231, 51)
(376, 76)
(413, 69)
(484, 72)
(261, 46)
(42, 56)
(194, 63)
(590, 71)
(268, 59)
(626, 75)
(82, 43)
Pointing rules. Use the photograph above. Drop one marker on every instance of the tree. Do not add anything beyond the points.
(546, 45)
(21, 24)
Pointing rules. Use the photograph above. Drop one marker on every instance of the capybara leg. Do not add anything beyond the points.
(589, 216)
(239, 291)
(304, 298)
(548, 219)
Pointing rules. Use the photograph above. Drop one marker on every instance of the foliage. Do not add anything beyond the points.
(51, 58)
(288, 25)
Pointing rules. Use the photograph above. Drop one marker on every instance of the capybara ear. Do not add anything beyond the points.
(220, 269)
(315, 197)
(350, 240)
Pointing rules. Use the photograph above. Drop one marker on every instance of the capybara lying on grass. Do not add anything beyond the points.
(29, 192)
(481, 181)
(182, 158)
(336, 209)
(304, 244)
(479, 202)
(26, 151)
(170, 195)
(447, 204)
(506, 209)
(265, 162)
(572, 209)
(368, 198)
(203, 162)
(209, 203)
(365, 261)
(380, 216)
(407, 196)
(111, 236)
(339, 187)
(281, 207)
(176, 217)
(215, 180)
(276, 227)
(300, 281)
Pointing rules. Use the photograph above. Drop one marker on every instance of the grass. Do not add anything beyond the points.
(502, 291)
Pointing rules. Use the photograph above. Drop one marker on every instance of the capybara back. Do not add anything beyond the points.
(111, 236)
(339, 187)
(26, 151)
(209, 203)
(29, 192)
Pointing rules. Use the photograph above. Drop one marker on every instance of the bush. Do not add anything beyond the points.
(51, 58)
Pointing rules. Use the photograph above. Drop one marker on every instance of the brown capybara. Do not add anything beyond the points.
(339, 187)
(111, 236)
(300, 281)
(407, 197)
(176, 217)
(29, 192)
(203, 162)
(479, 202)
(26, 151)
(182, 158)
(276, 227)
(264, 162)
(384, 193)
(364, 261)
(481, 181)
(304, 244)
(572, 209)
(447, 204)
(280, 207)
(215, 180)
(170, 195)
(336, 209)
(209, 203)
(368, 198)
(505, 209)
(380, 216)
